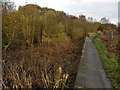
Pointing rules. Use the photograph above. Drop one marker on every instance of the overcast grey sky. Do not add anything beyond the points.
(90, 8)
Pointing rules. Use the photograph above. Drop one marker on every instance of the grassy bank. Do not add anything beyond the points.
(110, 63)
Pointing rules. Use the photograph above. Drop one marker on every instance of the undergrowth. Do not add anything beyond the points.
(42, 66)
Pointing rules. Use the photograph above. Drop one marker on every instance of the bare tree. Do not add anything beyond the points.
(82, 17)
(90, 19)
(104, 20)
(8, 7)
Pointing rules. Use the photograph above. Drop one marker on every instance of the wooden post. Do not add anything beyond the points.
(0, 44)
(119, 32)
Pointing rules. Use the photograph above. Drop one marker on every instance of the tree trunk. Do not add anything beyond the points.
(41, 34)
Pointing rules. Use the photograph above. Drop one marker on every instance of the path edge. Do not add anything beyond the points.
(81, 58)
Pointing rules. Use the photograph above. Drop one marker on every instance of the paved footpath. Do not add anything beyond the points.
(91, 73)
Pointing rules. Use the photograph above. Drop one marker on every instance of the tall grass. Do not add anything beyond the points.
(42, 66)
(16, 76)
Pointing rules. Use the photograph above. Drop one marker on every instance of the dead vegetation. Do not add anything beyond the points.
(42, 66)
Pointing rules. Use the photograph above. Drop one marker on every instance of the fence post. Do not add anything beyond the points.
(119, 32)
(1, 44)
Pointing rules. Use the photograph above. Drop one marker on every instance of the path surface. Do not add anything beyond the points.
(91, 73)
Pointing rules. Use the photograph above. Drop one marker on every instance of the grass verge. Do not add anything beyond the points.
(110, 63)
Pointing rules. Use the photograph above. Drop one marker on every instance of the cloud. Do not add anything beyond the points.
(91, 8)
(87, 1)
(4, 0)
(75, 1)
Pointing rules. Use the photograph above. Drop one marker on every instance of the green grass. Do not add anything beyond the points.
(110, 63)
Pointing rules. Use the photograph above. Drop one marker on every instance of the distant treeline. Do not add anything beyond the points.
(32, 24)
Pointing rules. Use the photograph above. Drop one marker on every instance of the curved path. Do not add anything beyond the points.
(91, 73)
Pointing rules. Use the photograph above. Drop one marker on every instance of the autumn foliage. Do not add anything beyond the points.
(41, 47)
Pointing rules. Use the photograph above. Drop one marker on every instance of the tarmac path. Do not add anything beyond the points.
(91, 73)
